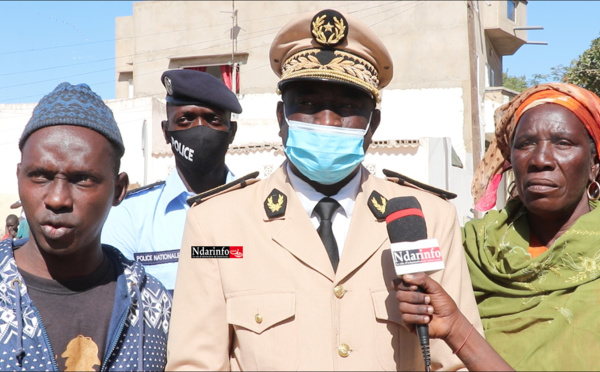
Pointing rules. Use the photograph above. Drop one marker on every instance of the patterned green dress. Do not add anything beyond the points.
(538, 313)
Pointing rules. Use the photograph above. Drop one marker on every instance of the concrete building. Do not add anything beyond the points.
(135, 117)
(436, 113)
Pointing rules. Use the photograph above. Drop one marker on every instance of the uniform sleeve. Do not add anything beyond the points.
(199, 335)
(455, 279)
(120, 232)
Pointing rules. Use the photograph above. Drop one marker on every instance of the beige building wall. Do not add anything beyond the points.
(429, 113)
(445, 53)
(427, 39)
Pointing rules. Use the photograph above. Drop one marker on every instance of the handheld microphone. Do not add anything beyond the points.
(412, 252)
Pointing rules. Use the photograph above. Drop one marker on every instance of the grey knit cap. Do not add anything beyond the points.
(74, 105)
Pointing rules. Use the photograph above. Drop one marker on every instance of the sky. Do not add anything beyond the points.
(569, 28)
(48, 42)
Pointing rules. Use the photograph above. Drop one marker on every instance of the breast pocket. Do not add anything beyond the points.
(395, 345)
(265, 330)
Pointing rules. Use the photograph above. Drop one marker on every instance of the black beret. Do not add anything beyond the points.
(191, 87)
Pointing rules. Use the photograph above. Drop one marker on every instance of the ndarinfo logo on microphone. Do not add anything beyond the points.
(419, 256)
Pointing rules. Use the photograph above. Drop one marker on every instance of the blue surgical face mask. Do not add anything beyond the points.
(323, 153)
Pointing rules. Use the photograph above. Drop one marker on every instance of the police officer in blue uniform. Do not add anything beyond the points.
(148, 225)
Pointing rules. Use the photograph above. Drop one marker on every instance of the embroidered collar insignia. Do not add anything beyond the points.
(275, 204)
(377, 204)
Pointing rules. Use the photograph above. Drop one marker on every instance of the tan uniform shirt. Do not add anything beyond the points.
(282, 307)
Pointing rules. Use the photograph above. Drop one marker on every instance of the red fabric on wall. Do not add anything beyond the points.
(226, 71)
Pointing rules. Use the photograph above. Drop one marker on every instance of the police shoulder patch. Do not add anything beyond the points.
(275, 204)
(239, 183)
(405, 181)
(377, 204)
(144, 188)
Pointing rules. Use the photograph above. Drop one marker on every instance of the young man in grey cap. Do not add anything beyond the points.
(148, 225)
(69, 302)
(312, 290)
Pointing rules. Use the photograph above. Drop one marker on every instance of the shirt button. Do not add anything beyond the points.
(258, 318)
(343, 350)
(339, 291)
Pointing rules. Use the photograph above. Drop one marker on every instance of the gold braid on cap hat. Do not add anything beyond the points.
(345, 67)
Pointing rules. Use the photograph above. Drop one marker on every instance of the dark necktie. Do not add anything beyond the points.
(325, 209)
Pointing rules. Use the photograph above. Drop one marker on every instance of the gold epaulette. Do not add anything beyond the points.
(405, 181)
(239, 183)
(144, 188)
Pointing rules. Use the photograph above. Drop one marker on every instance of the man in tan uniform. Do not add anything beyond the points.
(311, 289)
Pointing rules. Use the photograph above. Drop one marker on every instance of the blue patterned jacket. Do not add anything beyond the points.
(131, 343)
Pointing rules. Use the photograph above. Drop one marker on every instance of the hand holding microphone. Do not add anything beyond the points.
(436, 308)
(412, 252)
(424, 304)
(420, 297)
(433, 306)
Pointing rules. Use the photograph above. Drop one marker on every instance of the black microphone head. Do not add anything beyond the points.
(405, 221)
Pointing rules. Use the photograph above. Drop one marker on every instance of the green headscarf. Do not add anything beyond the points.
(538, 313)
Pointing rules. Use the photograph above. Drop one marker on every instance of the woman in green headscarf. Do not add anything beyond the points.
(534, 265)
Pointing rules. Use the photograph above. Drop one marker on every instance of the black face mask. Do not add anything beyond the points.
(198, 151)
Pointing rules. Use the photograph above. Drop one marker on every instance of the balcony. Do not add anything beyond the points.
(502, 21)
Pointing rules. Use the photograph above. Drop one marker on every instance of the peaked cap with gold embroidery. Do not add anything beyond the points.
(331, 46)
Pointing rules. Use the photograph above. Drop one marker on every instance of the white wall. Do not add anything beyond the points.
(13, 118)
(417, 113)
(432, 117)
